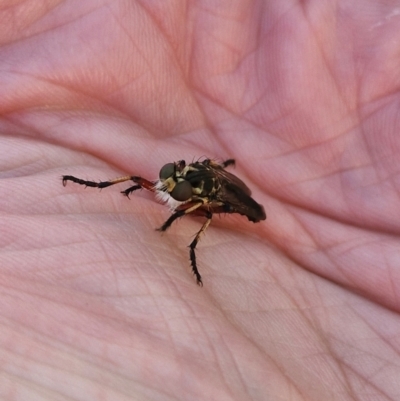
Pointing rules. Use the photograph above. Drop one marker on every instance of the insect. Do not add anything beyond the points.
(201, 188)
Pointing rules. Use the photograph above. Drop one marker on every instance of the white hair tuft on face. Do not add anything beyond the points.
(164, 197)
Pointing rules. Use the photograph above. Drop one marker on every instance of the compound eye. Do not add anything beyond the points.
(167, 171)
(182, 191)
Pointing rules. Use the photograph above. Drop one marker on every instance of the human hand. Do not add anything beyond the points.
(96, 303)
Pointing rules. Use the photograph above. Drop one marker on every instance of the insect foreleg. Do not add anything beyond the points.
(129, 190)
(140, 183)
(179, 213)
(102, 184)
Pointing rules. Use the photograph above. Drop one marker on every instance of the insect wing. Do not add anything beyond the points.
(241, 203)
(235, 193)
(225, 177)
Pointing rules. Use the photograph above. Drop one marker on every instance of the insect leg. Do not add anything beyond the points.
(146, 184)
(94, 184)
(192, 247)
(179, 213)
(129, 190)
(229, 162)
(140, 183)
(213, 163)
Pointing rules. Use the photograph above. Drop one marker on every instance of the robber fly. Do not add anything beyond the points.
(202, 188)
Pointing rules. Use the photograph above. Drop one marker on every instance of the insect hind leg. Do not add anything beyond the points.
(229, 162)
(192, 247)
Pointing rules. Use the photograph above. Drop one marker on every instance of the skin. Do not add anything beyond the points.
(96, 304)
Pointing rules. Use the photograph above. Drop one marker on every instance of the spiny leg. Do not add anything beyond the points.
(171, 219)
(192, 247)
(179, 213)
(140, 183)
(229, 162)
(190, 208)
(129, 190)
(102, 184)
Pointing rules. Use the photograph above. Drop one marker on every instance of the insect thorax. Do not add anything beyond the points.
(201, 176)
